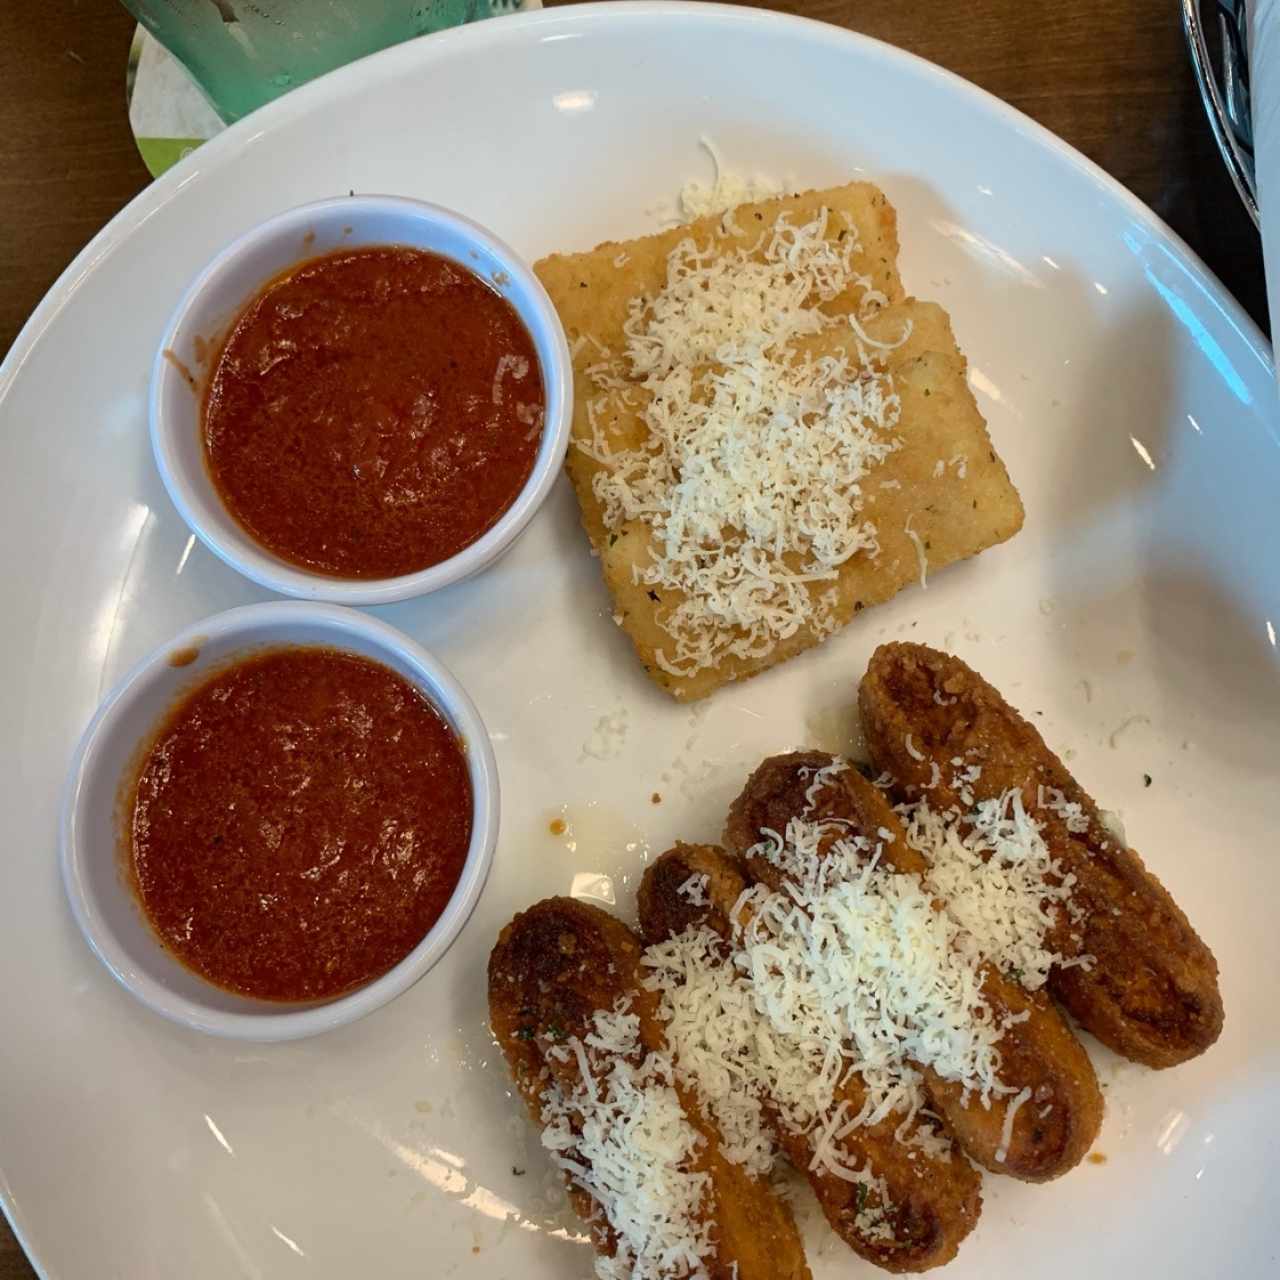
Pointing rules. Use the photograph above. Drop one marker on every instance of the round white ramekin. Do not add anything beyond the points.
(93, 860)
(217, 296)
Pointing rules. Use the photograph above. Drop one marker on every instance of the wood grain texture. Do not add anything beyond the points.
(1112, 79)
(13, 1262)
(67, 157)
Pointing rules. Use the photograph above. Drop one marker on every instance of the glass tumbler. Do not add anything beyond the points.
(243, 53)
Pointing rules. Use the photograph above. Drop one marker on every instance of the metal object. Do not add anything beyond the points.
(1224, 87)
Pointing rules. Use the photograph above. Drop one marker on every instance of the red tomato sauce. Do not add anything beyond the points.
(299, 824)
(373, 412)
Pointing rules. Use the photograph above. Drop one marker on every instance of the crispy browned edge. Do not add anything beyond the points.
(936, 1202)
(1152, 992)
(1054, 1129)
(553, 967)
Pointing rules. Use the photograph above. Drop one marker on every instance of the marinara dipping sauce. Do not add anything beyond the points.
(299, 823)
(373, 412)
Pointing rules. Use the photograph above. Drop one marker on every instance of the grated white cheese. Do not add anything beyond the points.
(737, 1057)
(1006, 1129)
(750, 478)
(623, 1137)
(694, 889)
(819, 779)
(719, 1041)
(726, 192)
(918, 543)
(997, 880)
(962, 781)
(1070, 811)
(853, 972)
(849, 972)
(855, 958)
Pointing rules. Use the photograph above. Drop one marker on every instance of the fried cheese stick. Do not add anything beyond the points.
(1041, 1060)
(932, 1203)
(555, 970)
(1151, 991)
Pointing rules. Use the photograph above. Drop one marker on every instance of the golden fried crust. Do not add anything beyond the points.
(1054, 1129)
(757, 1235)
(665, 912)
(935, 1202)
(943, 493)
(552, 969)
(1152, 992)
(778, 791)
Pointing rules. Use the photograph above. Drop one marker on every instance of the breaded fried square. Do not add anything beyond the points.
(941, 496)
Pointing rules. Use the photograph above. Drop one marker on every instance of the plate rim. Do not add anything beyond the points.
(475, 38)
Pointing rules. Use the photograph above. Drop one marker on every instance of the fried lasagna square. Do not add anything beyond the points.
(768, 435)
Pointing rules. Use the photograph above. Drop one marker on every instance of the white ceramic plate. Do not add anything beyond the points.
(1134, 404)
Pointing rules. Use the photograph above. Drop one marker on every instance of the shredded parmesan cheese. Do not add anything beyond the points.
(1071, 812)
(856, 972)
(694, 889)
(623, 1137)
(750, 479)
(854, 957)
(726, 192)
(1006, 1129)
(848, 972)
(516, 366)
(720, 1042)
(918, 543)
(997, 880)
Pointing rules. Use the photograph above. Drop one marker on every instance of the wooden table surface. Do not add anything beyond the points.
(1112, 79)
